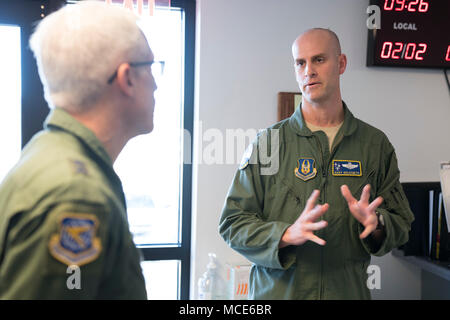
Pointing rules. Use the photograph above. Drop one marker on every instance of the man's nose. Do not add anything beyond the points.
(155, 85)
(309, 71)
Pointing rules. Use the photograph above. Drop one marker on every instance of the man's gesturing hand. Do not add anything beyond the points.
(362, 210)
(302, 229)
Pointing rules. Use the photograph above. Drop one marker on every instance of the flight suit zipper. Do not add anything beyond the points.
(324, 176)
(323, 196)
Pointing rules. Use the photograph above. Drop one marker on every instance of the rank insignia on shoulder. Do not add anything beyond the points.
(76, 243)
(246, 157)
(306, 169)
(346, 168)
(79, 167)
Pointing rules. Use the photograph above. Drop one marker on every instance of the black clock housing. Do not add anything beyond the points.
(413, 33)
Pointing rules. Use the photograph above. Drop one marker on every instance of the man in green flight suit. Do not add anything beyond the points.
(301, 225)
(63, 211)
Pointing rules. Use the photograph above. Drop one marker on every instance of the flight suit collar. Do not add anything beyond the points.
(61, 119)
(298, 124)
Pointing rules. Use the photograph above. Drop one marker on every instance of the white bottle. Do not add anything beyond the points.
(207, 282)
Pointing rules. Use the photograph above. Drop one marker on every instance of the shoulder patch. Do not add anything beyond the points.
(76, 243)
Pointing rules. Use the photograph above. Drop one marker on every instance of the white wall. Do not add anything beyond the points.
(244, 60)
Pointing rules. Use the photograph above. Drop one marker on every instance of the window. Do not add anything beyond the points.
(156, 181)
(150, 170)
(10, 91)
(162, 279)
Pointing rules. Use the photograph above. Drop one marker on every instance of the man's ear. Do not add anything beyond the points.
(124, 79)
(342, 63)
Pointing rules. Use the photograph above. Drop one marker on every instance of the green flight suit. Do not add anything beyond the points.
(260, 207)
(63, 204)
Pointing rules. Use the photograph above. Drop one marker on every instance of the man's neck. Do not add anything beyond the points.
(326, 114)
(106, 128)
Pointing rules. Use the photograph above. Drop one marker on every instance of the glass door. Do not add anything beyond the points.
(155, 176)
(150, 166)
(11, 94)
(156, 180)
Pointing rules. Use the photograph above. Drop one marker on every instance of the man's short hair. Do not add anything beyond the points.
(333, 36)
(79, 46)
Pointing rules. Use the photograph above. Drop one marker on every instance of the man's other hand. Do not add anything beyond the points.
(303, 228)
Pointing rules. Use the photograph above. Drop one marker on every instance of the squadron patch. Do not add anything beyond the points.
(346, 168)
(306, 169)
(76, 243)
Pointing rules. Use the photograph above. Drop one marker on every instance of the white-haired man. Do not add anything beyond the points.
(63, 207)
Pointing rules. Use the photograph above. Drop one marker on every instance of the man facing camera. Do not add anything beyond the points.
(310, 228)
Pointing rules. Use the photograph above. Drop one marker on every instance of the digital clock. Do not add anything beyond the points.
(413, 33)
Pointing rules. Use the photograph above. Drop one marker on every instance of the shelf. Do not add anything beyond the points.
(439, 268)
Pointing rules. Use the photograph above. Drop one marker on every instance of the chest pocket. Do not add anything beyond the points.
(282, 202)
(357, 184)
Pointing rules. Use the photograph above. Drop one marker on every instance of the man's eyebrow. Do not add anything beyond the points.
(319, 55)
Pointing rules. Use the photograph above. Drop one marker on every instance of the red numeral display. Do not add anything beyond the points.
(447, 56)
(389, 5)
(397, 50)
(386, 50)
(423, 6)
(407, 51)
(421, 51)
(411, 6)
(401, 3)
(410, 50)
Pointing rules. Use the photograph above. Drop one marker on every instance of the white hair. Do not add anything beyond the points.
(78, 47)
